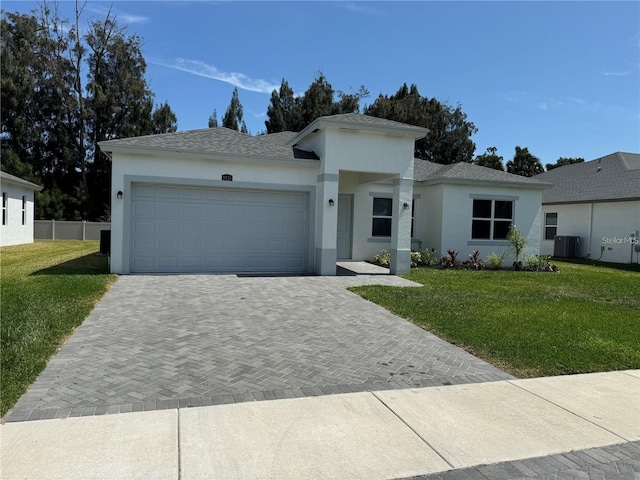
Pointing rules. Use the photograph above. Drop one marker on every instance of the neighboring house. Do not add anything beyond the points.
(597, 201)
(17, 210)
(345, 187)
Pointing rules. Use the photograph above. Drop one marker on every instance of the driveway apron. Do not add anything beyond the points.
(177, 341)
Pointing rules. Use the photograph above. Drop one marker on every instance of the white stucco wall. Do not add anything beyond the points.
(428, 217)
(195, 171)
(367, 152)
(607, 224)
(14, 232)
(444, 217)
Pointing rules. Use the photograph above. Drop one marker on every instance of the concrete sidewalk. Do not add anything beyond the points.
(384, 434)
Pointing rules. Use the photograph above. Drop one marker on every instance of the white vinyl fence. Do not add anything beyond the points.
(68, 230)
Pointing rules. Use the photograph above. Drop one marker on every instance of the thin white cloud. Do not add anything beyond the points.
(202, 69)
(616, 74)
(131, 19)
(543, 106)
(128, 18)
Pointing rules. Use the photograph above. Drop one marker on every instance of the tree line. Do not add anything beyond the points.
(523, 162)
(65, 88)
(448, 141)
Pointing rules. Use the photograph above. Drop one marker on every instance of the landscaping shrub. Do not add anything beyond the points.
(383, 258)
(540, 263)
(495, 261)
(416, 259)
(450, 260)
(474, 261)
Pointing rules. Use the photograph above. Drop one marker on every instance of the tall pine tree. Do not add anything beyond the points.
(233, 116)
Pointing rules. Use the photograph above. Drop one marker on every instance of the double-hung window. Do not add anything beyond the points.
(382, 216)
(491, 219)
(550, 225)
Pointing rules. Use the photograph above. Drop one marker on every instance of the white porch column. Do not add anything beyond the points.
(401, 226)
(326, 223)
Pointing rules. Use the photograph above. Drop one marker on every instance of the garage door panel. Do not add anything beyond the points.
(144, 190)
(192, 229)
(296, 230)
(191, 211)
(299, 199)
(144, 209)
(167, 192)
(255, 197)
(142, 262)
(168, 227)
(191, 193)
(213, 262)
(168, 211)
(191, 244)
(168, 244)
(143, 243)
(143, 227)
(277, 198)
(213, 195)
(167, 261)
(190, 261)
(296, 215)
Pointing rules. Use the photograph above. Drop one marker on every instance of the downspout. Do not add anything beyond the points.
(590, 231)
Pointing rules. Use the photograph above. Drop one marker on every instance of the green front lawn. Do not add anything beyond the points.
(47, 288)
(582, 319)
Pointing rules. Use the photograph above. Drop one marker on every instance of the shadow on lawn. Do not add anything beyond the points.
(92, 264)
(629, 267)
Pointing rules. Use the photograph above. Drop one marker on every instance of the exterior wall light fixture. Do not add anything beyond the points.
(405, 205)
(331, 202)
(119, 195)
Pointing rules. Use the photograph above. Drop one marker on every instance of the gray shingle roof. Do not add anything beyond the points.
(8, 178)
(358, 118)
(613, 177)
(423, 171)
(216, 141)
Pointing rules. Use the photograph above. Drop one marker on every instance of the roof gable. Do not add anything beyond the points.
(363, 123)
(612, 177)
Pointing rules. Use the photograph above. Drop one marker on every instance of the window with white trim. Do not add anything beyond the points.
(24, 210)
(4, 208)
(491, 219)
(382, 217)
(550, 225)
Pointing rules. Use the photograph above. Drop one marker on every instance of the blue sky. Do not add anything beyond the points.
(561, 78)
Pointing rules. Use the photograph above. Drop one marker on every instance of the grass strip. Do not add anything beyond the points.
(47, 289)
(584, 318)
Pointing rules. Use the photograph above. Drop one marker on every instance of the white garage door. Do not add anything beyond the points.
(196, 229)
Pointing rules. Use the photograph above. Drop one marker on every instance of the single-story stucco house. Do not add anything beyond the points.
(17, 210)
(597, 201)
(345, 187)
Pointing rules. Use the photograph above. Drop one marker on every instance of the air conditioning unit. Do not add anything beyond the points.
(565, 246)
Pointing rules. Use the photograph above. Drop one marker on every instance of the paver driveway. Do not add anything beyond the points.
(172, 341)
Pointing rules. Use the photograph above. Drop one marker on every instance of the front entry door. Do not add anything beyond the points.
(345, 222)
